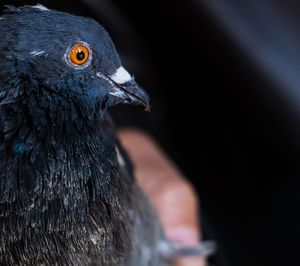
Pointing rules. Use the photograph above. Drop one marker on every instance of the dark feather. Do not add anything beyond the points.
(65, 199)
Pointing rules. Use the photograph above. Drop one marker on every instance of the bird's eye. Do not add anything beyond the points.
(79, 54)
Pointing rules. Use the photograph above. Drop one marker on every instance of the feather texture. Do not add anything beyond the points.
(65, 197)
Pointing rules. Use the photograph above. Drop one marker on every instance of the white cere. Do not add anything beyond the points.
(121, 76)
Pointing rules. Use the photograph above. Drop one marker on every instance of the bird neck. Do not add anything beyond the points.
(53, 172)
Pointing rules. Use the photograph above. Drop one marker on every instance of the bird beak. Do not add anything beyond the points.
(126, 90)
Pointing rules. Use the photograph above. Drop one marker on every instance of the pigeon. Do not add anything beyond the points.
(68, 195)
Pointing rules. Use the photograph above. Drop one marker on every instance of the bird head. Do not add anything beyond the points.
(64, 56)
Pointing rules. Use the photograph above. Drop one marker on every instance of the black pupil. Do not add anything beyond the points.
(80, 56)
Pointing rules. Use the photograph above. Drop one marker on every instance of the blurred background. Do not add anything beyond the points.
(224, 79)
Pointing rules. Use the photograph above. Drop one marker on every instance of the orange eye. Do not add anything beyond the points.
(79, 54)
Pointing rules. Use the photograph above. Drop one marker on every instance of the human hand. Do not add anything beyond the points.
(170, 193)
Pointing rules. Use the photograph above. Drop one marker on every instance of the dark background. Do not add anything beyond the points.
(224, 81)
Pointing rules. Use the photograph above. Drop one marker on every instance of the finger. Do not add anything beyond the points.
(178, 211)
(177, 206)
(191, 262)
(170, 193)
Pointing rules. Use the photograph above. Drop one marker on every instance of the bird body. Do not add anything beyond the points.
(65, 196)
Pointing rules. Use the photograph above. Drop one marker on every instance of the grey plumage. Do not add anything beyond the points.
(65, 199)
